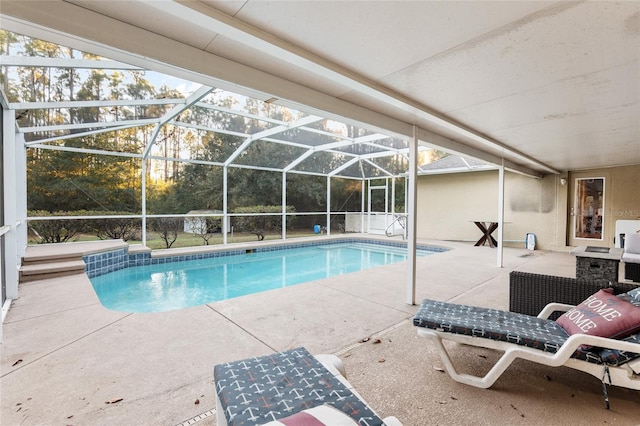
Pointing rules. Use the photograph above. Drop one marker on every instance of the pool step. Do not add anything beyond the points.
(58, 260)
(48, 268)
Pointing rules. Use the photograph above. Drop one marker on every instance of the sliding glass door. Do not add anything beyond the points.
(588, 208)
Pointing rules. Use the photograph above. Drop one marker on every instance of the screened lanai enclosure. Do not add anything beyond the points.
(116, 151)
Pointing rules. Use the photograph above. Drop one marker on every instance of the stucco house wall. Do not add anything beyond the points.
(449, 203)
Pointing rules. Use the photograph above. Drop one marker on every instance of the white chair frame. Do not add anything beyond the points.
(626, 375)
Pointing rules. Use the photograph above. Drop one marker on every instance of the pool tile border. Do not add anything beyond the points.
(101, 263)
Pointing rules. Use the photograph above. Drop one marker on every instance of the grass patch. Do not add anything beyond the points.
(185, 239)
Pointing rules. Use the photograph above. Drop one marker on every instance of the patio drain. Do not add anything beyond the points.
(197, 418)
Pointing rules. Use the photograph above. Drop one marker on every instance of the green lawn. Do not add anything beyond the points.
(185, 239)
(154, 242)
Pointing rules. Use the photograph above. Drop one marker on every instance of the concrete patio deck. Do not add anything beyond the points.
(67, 360)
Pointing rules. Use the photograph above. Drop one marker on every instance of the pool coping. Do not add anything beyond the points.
(114, 258)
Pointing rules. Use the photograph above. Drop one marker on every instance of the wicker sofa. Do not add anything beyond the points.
(631, 257)
(632, 271)
(530, 293)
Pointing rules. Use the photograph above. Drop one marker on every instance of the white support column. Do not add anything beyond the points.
(411, 218)
(368, 206)
(284, 205)
(144, 200)
(362, 186)
(225, 201)
(328, 205)
(406, 205)
(11, 195)
(22, 226)
(500, 249)
(393, 197)
(386, 202)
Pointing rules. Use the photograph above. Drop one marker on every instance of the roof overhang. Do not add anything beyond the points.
(75, 26)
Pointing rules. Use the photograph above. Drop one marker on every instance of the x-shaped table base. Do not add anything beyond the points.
(487, 231)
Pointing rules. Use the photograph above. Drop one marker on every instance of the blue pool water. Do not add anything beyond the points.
(176, 285)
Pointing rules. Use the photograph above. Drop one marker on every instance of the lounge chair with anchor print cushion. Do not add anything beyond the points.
(615, 360)
(291, 387)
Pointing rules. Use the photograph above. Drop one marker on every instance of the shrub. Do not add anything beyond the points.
(117, 228)
(55, 230)
(168, 228)
(206, 227)
(260, 224)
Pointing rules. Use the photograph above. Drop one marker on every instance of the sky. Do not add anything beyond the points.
(183, 86)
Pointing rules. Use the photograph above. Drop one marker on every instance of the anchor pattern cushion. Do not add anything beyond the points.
(618, 357)
(632, 296)
(525, 330)
(258, 390)
(493, 324)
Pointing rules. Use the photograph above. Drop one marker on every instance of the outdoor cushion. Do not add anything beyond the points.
(258, 390)
(602, 314)
(523, 336)
(635, 294)
(632, 297)
(524, 330)
(492, 324)
(322, 415)
(631, 257)
(632, 243)
(617, 357)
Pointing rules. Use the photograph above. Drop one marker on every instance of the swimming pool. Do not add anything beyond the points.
(175, 285)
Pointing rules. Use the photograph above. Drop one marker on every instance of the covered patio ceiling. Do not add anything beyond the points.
(548, 86)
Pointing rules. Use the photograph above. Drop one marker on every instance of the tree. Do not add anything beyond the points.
(7, 40)
(167, 228)
(206, 227)
(116, 228)
(62, 180)
(68, 179)
(55, 231)
(260, 224)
